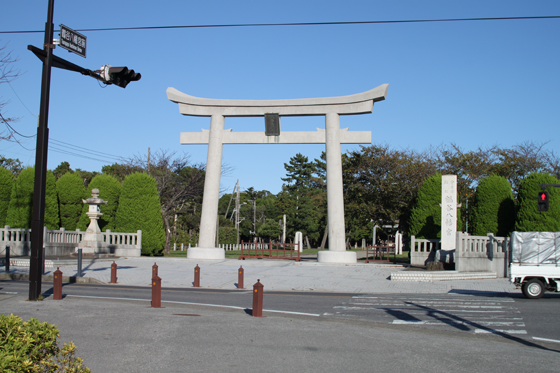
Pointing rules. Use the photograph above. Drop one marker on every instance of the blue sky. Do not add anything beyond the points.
(470, 83)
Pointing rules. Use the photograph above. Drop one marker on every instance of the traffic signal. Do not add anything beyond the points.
(119, 76)
(543, 201)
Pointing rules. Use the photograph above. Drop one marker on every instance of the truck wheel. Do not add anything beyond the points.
(533, 289)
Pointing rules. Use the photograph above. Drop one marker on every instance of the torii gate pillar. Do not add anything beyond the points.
(332, 136)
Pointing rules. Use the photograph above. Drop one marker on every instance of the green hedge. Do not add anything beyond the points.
(529, 218)
(71, 192)
(20, 209)
(6, 186)
(493, 209)
(425, 218)
(140, 208)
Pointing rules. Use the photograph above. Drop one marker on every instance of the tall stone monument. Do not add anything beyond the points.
(332, 136)
(448, 212)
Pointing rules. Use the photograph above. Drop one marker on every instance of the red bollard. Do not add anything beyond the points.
(113, 273)
(57, 284)
(240, 284)
(154, 270)
(197, 276)
(257, 299)
(156, 292)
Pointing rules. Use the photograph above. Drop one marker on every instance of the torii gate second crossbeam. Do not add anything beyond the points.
(332, 136)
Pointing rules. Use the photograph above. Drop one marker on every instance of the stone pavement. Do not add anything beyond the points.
(275, 275)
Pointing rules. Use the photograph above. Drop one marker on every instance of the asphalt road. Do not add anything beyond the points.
(510, 316)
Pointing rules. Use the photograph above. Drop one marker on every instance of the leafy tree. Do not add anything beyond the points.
(120, 171)
(110, 191)
(179, 184)
(493, 210)
(71, 192)
(6, 186)
(270, 229)
(20, 210)
(14, 165)
(381, 184)
(529, 219)
(52, 216)
(140, 208)
(61, 169)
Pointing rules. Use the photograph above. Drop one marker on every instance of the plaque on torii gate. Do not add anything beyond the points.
(332, 136)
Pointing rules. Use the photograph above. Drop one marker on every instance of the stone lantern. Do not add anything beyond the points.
(93, 239)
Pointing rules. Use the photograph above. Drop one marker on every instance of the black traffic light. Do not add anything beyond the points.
(543, 201)
(119, 76)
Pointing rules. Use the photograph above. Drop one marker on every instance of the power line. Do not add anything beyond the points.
(297, 24)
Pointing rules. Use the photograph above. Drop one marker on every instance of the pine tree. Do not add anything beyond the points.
(140, 209)
(71, 192)
(110, 191)
(493, 209)
(6, 186)
(20, 210)
(529, 218)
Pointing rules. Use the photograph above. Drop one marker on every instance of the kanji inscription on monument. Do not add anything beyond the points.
(448, 211)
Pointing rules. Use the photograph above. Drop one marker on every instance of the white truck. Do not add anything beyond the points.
(535, 262)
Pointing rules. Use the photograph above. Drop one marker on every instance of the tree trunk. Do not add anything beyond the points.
(324, 242)
(307, 241)
(348, 243)
(167, 248)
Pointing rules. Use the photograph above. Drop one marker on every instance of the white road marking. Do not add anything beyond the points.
(546, 340)
(498, 331)
(199, 304)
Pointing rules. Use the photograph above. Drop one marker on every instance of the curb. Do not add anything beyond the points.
(432, 276)
(67, 279)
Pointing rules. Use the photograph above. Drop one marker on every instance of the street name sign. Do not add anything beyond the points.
(72, 41)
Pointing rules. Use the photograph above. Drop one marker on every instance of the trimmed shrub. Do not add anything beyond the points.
(6, 186)
(493, 209)
(140, 208)
(529, 218)
(20, 210)
(32, 346)
(52, 217)
(425, 218)
(71, 191)
(110, 191)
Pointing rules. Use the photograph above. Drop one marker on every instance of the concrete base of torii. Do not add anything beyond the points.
(206, 253)
(336, 257)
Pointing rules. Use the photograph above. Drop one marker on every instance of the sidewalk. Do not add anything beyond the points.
(277, 275)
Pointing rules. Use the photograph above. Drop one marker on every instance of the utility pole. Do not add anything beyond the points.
(119, 76)
(36, 260)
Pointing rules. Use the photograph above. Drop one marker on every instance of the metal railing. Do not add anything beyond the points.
(270, 250)
(380, 253)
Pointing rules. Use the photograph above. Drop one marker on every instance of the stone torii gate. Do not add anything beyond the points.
(332, 136)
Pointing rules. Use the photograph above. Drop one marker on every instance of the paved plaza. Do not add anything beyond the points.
(278, 275)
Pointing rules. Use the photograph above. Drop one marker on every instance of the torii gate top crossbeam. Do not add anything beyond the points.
(359, 103)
